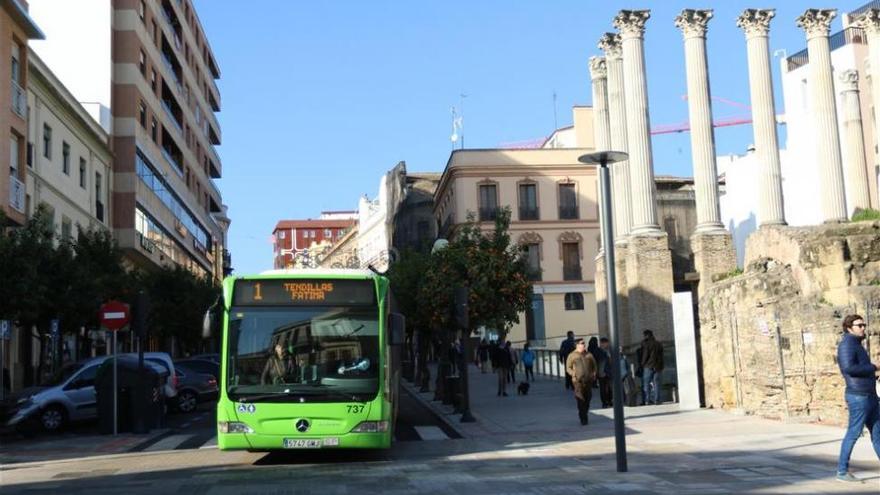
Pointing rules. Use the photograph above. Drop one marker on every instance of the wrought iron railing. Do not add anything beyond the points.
(529, 213)
(568, 212)
(488, 214)
(16, 193)
(19, 100)
(850, 35)
(571, 273)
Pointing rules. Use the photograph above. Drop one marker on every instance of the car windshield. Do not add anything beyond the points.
(63, 374)
(322, 353)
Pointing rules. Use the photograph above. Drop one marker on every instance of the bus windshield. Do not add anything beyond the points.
(303, 353)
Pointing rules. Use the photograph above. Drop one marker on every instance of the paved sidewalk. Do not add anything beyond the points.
(669, 451)
(72, 445)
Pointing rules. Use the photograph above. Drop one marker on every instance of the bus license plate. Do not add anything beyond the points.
(298, 443)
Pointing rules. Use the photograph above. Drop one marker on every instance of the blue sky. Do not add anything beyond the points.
(320, 98)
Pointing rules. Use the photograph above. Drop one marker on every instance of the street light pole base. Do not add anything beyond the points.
(467, 417)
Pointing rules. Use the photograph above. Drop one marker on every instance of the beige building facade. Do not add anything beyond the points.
(70, 167)
(16, 28)
(554, 216)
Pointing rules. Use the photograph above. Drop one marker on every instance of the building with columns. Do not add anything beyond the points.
(801, 180)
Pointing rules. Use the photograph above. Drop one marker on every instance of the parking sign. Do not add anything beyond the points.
(4, 329)
(54, 327)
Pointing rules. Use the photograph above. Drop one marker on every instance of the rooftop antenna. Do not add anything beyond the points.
(456, 125)
(461, 97)
(555, 124)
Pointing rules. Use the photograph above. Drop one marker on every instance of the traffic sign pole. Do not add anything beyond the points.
(115, 398)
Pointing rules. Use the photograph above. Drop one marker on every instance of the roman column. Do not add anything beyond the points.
(711, 244)
(756, 25)
(602, 141)
(693, 25)
(856, 167)
(610, 44)
(631, 24)
(816, 23)
(648, 261)
(870, 22)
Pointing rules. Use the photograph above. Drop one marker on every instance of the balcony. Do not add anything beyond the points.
(568, 212)
(533, 274)
(170, 112)
(529, 213)
(850, 35)
(571, 273)
(16, 193)
(172, 160)
(488, 214)
(19, 100)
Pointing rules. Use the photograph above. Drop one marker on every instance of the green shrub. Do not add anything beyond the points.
(866, 215)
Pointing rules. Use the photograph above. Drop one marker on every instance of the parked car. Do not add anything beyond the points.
(207, 357)
(201, 366)
(69, 396)
(164, 360)
(194, 388)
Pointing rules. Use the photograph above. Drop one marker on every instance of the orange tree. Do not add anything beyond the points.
(490, 266)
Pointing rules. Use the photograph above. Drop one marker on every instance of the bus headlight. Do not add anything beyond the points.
(371, 427)
(234, 427)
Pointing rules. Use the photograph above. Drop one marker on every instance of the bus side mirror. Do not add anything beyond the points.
(398, 328)
(207, 324)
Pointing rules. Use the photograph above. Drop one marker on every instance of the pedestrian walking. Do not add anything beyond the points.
(528, 360)
(581, 365)
(652, 365)
(604, 373)
(860, 394)
(511, 368)
(483, 355)
(501, 363)
(566, 348)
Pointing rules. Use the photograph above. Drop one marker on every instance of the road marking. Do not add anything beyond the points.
(210, 444)
(431, 433)
(168, 443)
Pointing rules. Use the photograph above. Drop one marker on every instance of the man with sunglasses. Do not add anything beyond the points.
(861, 394)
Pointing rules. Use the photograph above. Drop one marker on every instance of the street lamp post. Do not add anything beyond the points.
(603, 159)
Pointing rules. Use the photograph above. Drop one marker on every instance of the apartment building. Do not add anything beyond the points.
(293, 239)
(69, 168)
(555, 217)
(147, 74)
(16, 28)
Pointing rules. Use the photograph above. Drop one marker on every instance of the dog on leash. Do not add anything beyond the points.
(523, 388)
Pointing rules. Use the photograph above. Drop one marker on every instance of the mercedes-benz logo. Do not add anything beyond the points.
(302, 425)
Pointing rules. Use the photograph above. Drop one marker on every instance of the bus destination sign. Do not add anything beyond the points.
(303, 292)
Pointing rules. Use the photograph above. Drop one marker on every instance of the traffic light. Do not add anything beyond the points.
(140, 314)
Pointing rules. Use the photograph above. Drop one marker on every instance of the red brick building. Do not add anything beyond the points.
(293, 236)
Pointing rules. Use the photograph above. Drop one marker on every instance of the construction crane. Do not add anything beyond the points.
(722, 122)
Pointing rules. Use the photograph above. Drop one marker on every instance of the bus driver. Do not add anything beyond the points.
(279, 367)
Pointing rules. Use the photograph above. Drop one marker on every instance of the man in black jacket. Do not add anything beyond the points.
(652, 365)
(861, 393)
(566, 348)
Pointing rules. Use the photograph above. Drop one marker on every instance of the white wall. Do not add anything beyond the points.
(77, 48)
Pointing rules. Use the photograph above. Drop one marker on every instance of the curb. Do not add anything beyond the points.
(438, 413)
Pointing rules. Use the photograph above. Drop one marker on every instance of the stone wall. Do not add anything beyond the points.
(782, 318)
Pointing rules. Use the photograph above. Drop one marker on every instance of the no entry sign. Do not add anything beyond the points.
(114, 315)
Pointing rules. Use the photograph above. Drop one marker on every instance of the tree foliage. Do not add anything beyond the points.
(493, 269)
(178, 301)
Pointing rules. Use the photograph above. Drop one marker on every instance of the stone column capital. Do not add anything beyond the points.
(610, 44)
(849, 80)
(816, 22)
(870, 21)
(598, 68)
(631, 23)
(756, 22)
(694, 23)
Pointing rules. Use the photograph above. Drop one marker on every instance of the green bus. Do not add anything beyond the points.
(309, 360)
